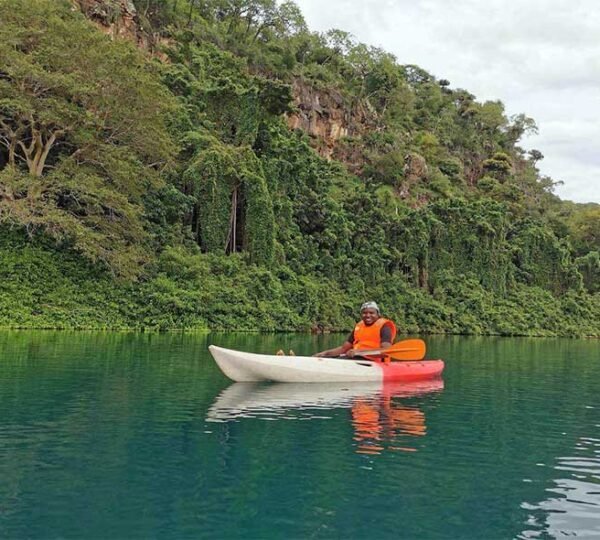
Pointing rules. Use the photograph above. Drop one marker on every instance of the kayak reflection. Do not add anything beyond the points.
(379, 413)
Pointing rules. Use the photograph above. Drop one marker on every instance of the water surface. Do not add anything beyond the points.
(140, 436)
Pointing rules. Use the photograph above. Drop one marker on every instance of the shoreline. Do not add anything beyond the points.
(204, 331)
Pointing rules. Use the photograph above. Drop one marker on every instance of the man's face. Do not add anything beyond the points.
(369, 316)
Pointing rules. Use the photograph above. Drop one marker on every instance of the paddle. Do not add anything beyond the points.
(407, 349)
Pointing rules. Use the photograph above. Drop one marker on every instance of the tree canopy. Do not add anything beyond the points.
(83, 122)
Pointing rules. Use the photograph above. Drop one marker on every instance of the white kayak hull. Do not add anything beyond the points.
(251, 367)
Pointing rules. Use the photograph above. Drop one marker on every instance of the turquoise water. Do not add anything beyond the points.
(115, 435)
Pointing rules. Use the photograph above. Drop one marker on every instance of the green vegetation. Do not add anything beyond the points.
(171, 193)
(81, 120)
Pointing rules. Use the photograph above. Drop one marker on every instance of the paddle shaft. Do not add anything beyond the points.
(408, 349)
(384, 352)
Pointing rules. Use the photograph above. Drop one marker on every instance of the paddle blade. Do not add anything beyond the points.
(407, 349)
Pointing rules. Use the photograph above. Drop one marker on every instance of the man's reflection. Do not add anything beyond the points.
(380, 422)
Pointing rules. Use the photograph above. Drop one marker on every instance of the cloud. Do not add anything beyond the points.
(539, 57)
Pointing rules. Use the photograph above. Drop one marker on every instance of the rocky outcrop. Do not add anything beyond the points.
(415, 168)
(327, 117)
(324, 114)
(120, 19)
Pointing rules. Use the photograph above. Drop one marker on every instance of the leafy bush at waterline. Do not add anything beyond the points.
(41, 287)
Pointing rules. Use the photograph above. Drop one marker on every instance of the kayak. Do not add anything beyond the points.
(250, 367)
(269, 400)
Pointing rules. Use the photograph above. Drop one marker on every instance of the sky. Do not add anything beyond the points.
(539, 57)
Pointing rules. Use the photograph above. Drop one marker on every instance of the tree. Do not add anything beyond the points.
(499, 166)
(535, 156)
(520, 125)
(84, 133)
(584, 226)
(234, 210)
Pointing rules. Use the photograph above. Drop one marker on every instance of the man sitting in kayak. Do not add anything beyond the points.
(372, 332)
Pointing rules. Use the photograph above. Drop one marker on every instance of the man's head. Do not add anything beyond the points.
(369, 312)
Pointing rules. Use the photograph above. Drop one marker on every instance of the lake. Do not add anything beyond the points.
(125, 435)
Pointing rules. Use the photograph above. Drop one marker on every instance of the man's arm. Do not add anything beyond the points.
(338, 351)
(385, 335)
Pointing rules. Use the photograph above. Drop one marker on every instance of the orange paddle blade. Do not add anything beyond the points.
(407, 349)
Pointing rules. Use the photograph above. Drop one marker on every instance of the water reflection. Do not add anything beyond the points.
(380, 416)
(573, 504)
(379, 420)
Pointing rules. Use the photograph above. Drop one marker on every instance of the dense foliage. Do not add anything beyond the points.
(143, 193)
(81, 121)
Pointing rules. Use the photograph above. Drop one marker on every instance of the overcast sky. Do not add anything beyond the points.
(539, 57)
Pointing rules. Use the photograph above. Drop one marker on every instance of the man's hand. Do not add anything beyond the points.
(350, 353)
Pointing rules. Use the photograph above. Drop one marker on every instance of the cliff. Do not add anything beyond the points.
(321, 113)
(326, 117)
(121, 19)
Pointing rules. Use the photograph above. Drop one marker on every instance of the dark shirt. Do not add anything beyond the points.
(385, 334)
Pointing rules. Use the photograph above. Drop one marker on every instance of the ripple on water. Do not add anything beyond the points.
(572, 507)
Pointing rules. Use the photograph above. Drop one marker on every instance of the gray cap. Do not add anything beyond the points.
(370, 305)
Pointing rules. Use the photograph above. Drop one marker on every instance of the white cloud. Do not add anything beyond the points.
(539, 57)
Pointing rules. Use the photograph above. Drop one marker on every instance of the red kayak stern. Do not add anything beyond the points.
(412, 371)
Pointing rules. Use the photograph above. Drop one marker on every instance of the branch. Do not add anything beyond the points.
(26, 151)
(6, 127)
(34, 134)
(49, 144)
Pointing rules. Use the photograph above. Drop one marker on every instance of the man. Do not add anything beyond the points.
(372, 332)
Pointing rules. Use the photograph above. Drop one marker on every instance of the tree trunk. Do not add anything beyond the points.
(230, 243)
(11, 152)
(423, 274)
(234, 20)
(37, 152)
(44, 154)
(192, 4)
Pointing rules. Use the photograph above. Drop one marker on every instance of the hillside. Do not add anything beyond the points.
(217, 165)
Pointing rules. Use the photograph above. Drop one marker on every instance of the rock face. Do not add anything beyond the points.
(325, 116)
(118, 19)
(322, 113)
(415, 168)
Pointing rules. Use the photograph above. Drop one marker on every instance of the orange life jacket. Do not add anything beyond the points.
(369, 337)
